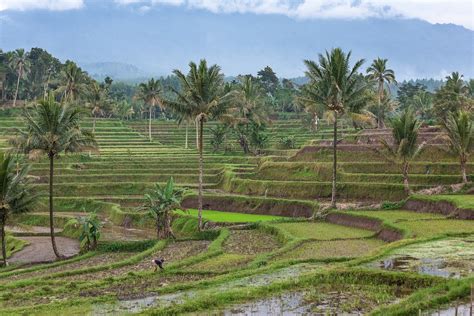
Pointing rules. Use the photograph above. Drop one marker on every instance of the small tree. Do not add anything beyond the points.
(404, 148)
(160, 202)
(460, 133)
(90, 230)
(218, 136)
(15, 194)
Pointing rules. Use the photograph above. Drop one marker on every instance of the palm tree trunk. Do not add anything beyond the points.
(17, 86)
(463, 169)
(93, 124)
(4, 242)
(158, 230)
(51, 215)
(380, 122)
(197, 134)
(186, 142)
(406, 183)
(334, 163)
(201, 123)
(149, 125)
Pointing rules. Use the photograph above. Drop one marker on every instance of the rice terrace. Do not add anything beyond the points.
(344, 190)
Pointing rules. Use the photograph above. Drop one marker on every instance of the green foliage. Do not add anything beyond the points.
(126, 246)
(16, 194)
(218, 137)
(90, 230)
(52, 128)
(160, 202)
(287, 142)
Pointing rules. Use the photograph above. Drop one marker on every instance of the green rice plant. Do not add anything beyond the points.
(229, 217)
(322, 231)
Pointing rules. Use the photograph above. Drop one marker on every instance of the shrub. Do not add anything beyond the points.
(287, 142)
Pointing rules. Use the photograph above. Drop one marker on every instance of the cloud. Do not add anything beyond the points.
(433, 11)
(54, 5)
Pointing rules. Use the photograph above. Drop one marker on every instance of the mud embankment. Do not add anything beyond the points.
(439, 207)
(260, 206)
(373, 224)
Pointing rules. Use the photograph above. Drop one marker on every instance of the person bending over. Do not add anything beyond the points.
(158, 263)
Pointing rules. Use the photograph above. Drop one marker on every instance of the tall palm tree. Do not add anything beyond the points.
(52, 128)
(150, 93)
(16, 195)
(201, 96)
(337, 85)
(405, 148)
(460, 133)
(72, 82)
(19, 62)
(379, 73)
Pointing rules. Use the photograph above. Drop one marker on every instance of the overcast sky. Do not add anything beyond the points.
(417, 36)
(434, 11)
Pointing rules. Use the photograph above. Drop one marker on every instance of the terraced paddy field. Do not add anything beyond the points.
(269, 247)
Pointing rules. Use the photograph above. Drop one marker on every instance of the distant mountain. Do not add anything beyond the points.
(117, 71)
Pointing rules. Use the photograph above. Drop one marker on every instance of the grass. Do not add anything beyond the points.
(230, 217)
(222, 262)
(430, 228)
(395, 216)
(322, 231)
(13, 245)
(334, 249)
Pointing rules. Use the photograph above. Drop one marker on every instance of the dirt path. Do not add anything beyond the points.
(31, 229)
(40, 249)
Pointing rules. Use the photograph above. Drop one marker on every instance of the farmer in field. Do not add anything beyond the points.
(158, 263)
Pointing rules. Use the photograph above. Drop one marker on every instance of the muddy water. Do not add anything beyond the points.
(461, 310)
(449, 258)
(160, 301)
(285, 304)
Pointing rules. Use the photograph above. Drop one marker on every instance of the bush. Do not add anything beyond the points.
(287, 142)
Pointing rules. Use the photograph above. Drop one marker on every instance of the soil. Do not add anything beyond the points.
(40, 249)
(250, 242)
(100, 259)
(172, 253)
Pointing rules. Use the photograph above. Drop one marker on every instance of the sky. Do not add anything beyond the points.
(245, 35)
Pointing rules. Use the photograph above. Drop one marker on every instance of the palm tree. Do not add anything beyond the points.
(97, 101)
(201, 97)
(52, 128)
(160, 202)
(379, 73)
(72, 82)
(19, 62)
(16, 194)
(248, 107)
(405, 130)
(460, 133)
(150, 94)
(339, 87)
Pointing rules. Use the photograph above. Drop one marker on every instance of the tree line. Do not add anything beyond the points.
(337, 88)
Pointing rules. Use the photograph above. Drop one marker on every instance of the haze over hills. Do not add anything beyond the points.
(129, 44)
(115, 70)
